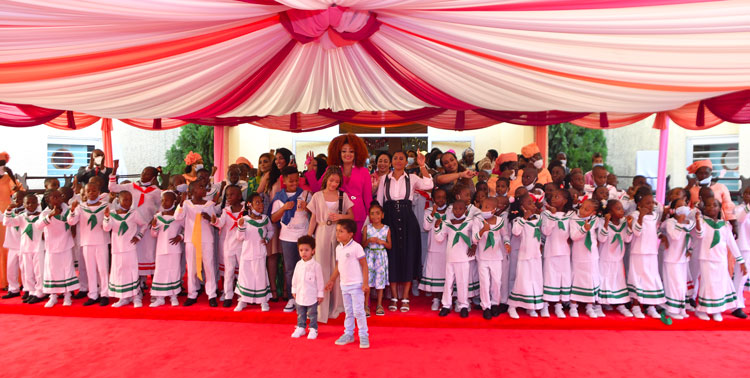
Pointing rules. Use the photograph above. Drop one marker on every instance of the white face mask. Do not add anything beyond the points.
(98, 160)
(198, 167)
(530, 187)
(563, 162)
(438, 164)
(487, 214)
(488, 172)
(171, 208)
(441, 208)
(410, 161)
(91, 202)
(513, 177)
(705, 181)
(538, 164)
(182, 188)
(598, 164)
(257, 214)
(682, 210)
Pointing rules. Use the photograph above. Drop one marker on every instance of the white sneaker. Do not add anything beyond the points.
(512, 313)
(717, 317)
(559, 312)
(68, 300)
(159, 301)
(289, 306)
(121, 302)
(265, 307)
(435, 304)
(52, 301)
(298, 332)
(590, 311)
(677, 316)
(455, 306)
(173, 301)
(240, 306)
(545, 311)
(599, 312)
(637, 312)
(533, 313)
(573, 310)
(702, 315)
(651, 311)
(313, 334)
(624, 311)
(138, 302)
(684, 314)
(608, 307)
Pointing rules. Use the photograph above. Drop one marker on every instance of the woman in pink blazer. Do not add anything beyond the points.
(349, 152)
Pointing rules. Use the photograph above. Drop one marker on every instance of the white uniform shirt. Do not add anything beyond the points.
(491, 245)
(347, 258)
(308, 282)
(167, 228)
(556, 229)
(585, 243)
(716, 242)
(612, 241)
(457, 238)
(124, 227)
(677, 234)
(253, 233)
(529, 234)
(90, 218)
(227, 222)
(188, 212)
(428, 224)
(148, 196)
(57, 235)
(12, 233)
(742, 213)
(30, 227)
(645, 236)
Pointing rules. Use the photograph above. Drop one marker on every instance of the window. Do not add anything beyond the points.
(65, 159)
(723, 152)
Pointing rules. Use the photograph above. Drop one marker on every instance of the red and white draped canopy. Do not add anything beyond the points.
(305, 64)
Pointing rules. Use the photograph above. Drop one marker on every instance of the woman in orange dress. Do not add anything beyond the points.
(8, 186)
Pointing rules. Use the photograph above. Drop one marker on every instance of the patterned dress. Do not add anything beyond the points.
(377, 257)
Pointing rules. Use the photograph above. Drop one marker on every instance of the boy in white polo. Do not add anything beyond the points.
(351, 264)
(307, 288)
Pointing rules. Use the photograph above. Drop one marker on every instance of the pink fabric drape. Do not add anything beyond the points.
(72, 121)
(615, 120)
(733, 107)
(155, 124)
(530, 118)
(382, 118)
(694, 116)
(17, 115)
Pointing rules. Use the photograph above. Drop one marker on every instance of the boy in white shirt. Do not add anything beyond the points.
(289, 207)
(351, 265)
(307, 288)
(13, 245)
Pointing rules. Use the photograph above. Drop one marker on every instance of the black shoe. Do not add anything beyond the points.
(227, 303)
(34, 299)
(103, 301)
(25, 296)
(736, 313)
(444, 311)
(495, 311)
(81, 294)
(692, 302)
(487, 314)
(11, 295)
(503, 308)
(182, 293)
(213, 302)
(189, 302)
(274, 300)
(91, 302)
(464, 312)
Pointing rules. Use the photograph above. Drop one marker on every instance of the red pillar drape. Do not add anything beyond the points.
(540, 138)
(220, 152)
(107, 141)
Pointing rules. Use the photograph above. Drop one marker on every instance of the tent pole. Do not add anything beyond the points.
(662, 123)
(540, 138)
(107, 142)
(220, 153)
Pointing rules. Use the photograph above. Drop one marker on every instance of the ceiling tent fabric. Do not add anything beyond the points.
(301, 65)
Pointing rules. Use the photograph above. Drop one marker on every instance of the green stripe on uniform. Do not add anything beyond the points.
(535, 299)
(124, 288)
(245, 292)
(60, 283)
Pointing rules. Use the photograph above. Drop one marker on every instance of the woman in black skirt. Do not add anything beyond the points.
(395, 192)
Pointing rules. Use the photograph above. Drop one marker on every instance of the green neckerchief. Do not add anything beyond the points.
(29, 230)
(258, 225)
(123, 222)
(491, 233)
(716, 225)
(687, 235)
(559, 221)
(165, 222)
(459, 235)
(618, 233)
(92, 222)
(537, 228)
(589, 241)
(63, 218)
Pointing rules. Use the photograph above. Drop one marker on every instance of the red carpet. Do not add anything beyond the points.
(52, 346)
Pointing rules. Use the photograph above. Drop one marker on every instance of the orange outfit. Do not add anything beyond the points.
(721, 193)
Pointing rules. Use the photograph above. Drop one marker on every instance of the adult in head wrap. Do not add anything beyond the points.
(467, 159)
(95, 168)
(193, 163)
(534, 156)
(702, 170)
(8, 186)
(506, 165)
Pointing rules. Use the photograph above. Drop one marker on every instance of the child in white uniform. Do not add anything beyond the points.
(255, 231)
(613, 238)
(676, 257)
(124, 223)
(59, 270)
(716, 291)
(490, 236)
(528, 286)
(13, 245)
(644, 282)
(742, 214)
(433, 273)
(31, 246)
(232, 245)
(556, 229)
(584, 227)
(168, 231)
(199, 244)
(456, 231)
(88, 217)
(307, 288)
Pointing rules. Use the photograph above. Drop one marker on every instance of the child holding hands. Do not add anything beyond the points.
(307, 288)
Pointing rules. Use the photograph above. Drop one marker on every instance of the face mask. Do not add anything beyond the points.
(198, 167)
(367, 162)
(538, 164)
(182, 188)
(682, 210)
(120, 208)
(98, 160)
(438, 164)
(462, 217)
(563, 162)
(598, 164)
(530, 186)
(257, 214)
(513, 177)
(705, 181)
(441, 208)
(488, 172)
(91, 202)
(146, 184)
(487, 214)
(171, 208)
(410, 161)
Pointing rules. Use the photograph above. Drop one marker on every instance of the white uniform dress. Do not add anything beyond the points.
(473, 212)
(167, 279)
(613, 239)
(458, 240)
(231, 247)
(124, 281)
(253, 285)
(675, 266)
(527, 291)
(94, 246)
(199, 239)
(13, 245)
(557, 275)
(644, 280)
(32, 250)
(490, 255)
(146, 198)
(585, 260)
(742, 214)
(715, 290)
(433, 273)
(59, 269)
